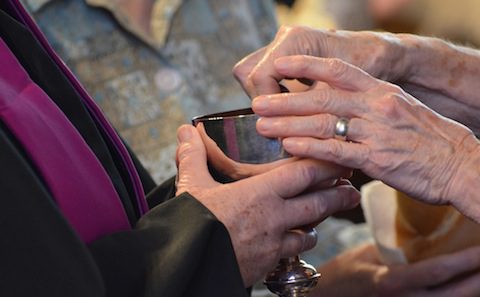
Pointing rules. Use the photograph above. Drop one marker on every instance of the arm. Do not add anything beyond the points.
(444, 76)
(440, 74)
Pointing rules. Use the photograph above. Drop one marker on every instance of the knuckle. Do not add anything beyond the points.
(336, 68)
(321, 127)
(308, 173)
(393, 88)
(297, 31)
(320, 207)
(239, 71)
(320, 101)
(284, 29)
(184, 151)
(256, 78)
(364, 158)
(287, 103)
(389, 105)
(336, 150)
(382, 161)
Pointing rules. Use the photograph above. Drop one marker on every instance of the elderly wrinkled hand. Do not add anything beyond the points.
(391, 135)
(442, 75)
(360, 272)
(260, 212)
(372, 52)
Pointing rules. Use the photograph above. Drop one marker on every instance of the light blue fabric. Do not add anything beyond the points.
(148, 93)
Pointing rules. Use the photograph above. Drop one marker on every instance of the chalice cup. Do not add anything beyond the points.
(231, 140)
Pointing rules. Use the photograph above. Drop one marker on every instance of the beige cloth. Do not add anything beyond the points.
(148, 19)
(406, 230)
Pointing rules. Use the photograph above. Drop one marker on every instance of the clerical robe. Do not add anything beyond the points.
(178, 248)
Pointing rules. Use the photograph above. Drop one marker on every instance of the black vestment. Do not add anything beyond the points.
(177, 249)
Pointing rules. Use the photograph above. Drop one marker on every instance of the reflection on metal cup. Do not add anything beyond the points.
(236, 135)
(233, 135)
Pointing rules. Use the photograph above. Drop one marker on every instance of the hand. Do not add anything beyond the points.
(259, 212)
(441, 75)
(236, 170)
(376, 53)
(392, 136)
(359, 272)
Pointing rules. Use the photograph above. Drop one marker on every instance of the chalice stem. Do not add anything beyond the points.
(292, 278)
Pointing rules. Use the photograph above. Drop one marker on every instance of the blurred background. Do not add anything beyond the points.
(455, 20)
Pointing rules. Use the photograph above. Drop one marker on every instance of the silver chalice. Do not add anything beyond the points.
(232, 137)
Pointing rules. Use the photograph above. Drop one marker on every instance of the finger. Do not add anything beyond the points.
(348, 154)
(264, 79)
(326, 100)
(469, 287)
(261, 82)
(320, 126)
(245, 66)
(332, 71)
(192, 160)
(435, 271)
(316, 206)
(296, 241)
(294, 178)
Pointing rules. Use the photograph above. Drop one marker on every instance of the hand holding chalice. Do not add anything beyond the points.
(236, 151)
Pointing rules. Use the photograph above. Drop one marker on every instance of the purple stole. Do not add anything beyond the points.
(73, 174)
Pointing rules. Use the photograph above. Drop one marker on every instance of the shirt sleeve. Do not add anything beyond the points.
(177, 249)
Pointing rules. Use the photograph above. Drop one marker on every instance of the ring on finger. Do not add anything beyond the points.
(341, 127)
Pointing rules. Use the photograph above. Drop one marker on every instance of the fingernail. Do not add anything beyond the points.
(289, 144)
(184, 134)
(260, 104)
(264, 124)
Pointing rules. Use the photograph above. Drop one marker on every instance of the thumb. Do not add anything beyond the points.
(192, 160)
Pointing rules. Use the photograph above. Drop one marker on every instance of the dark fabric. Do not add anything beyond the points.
(196, 259)
(162, 193)
(46, 74)
(78, 182)
(147, 180)
(40, 255)
(178, 248)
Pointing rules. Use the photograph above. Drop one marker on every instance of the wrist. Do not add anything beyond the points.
(393, 61)
(462, 190)
(382, 55)
(414, 50)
